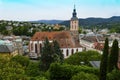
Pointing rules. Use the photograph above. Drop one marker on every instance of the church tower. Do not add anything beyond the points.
(74, 22)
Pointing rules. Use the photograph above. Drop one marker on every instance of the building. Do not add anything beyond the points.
(74, 22)
(67, 43)
(8, 50)
(68, 40)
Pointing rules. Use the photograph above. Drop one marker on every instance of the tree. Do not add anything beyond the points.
(84, 76)
(59, 71)
(33, 69)
(114, 75)
(80, 30)
(50, 53)
(113, 57)
(11, 70)
(57, 51)
(104, 60)
(24, 61)
(84, 56)
(46, 56)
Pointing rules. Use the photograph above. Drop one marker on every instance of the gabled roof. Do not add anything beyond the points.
(64, 38)
(6, 49)
(93, 38)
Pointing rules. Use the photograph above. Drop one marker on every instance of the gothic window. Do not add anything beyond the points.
(76, 50)
(72, 51)
(35, 48)
(67, 52)
(40, 47)
(31, 46)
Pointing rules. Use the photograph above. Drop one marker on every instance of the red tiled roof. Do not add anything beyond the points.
(99, 46)
(64, 38)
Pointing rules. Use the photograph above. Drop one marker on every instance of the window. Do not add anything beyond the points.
(72, 51)
(31, 46)
(67, 52)
(76, 50)
(35, 48)
(40, 47)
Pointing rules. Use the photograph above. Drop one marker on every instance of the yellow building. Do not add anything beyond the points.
(8, 50)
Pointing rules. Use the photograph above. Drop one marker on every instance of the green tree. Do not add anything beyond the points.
(46, 56)
(104, 60)
(80, 30)
(11, 70)
(84, 56)
(33, 69)
(113, 57)
(114, 75)
(24, 61)
(59, 71)
(57, 51)
(50, 53)
(84, 76)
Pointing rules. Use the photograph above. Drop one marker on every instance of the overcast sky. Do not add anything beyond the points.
(57, 9)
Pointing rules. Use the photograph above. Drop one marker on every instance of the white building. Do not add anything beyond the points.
(67, 43)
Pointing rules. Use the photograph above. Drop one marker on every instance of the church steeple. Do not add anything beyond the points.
(74, 23)
(74, 12)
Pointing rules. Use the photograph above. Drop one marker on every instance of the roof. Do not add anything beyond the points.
(74, 18)
(95, 64)
(6, 49)
(64, 38)
(99, 46)
(93, 38)
(90, 38)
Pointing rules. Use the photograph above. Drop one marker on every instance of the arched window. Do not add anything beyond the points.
(35, 48)
(76, 50)
(67, 52)
(72, 52)
(31, 46)
(40, 47)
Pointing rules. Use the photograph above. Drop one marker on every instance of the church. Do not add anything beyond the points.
(68, 40)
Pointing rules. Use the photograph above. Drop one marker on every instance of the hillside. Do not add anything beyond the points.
(48, 21)
(95, 21)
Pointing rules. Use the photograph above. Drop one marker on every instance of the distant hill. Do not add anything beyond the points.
(95, 21)
(49, 21)
(88, 22)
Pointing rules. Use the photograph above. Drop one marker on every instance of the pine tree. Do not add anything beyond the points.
(50, 53)
(46, 56)
(103, 64)
(113, 57)
(57, 51)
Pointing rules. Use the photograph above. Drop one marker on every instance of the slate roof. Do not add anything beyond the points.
(6, 49)
(95, 64)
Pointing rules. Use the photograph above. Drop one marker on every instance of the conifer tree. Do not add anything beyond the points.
(57, 51)
(103, 64)
(113, 57)
(50, 53)
(46, 56)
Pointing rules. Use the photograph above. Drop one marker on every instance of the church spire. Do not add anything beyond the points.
(74, 12)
